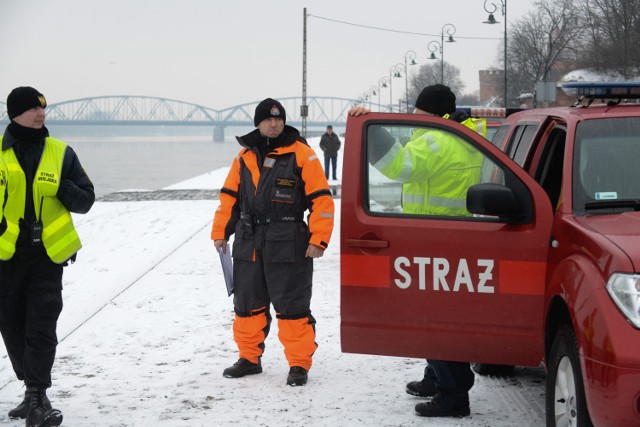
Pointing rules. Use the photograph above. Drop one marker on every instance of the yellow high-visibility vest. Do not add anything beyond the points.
(59, 236)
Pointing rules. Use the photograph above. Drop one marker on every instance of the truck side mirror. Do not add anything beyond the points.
(494, 200)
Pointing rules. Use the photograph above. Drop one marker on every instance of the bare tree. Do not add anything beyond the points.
(472, 98)
(613, 42)
(429, 74)
(543, 43)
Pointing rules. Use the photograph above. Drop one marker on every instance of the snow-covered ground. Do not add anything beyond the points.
(146, 333)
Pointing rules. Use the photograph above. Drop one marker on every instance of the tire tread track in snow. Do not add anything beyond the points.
(516, 397)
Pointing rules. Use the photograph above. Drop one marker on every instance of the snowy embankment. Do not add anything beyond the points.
(146, 332)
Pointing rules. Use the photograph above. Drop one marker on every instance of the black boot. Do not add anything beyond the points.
(40, 413)
(20, 411)
(436, 408)
(241, 368)
(297, 376)
(422, 388)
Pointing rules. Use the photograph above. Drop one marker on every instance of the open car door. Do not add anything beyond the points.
(466, 287)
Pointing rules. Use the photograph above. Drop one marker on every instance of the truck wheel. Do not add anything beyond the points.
(565, 400)
(494, 370)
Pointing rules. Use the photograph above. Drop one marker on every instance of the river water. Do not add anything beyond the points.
(120, 158)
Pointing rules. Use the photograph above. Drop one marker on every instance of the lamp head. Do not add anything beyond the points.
(491, 20)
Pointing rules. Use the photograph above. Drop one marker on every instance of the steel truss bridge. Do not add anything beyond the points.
(153, 111)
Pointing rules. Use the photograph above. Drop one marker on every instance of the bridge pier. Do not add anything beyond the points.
(218, 134)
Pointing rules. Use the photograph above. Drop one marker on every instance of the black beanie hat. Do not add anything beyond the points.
(437, 99)
(24, 98)
(269, 108)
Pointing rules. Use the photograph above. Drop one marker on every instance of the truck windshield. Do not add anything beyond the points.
(606, 174)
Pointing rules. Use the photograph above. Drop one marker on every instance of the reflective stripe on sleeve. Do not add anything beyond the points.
(407, 168)
(388, 158)
(431, 143)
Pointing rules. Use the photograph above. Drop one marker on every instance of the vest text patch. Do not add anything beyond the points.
(285, 183)
(47, 177)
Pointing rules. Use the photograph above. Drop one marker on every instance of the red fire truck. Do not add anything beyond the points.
(544, 267)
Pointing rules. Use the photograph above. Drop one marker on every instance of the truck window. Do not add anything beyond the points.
(549, 173)
(498, 136)
(521, 141)
(422, 171)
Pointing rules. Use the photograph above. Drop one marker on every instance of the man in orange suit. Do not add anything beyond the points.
(273, 181)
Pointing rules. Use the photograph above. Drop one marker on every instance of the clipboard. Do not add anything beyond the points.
(227, 268)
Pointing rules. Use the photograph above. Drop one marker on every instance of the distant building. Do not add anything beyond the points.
(491, 87)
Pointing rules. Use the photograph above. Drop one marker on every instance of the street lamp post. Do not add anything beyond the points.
(393, 72)
(304, 108)
(491, 9)
(372, 93)
(432, 47)
(381, 83)
(412, 56)
(362, 99)
(450, 30)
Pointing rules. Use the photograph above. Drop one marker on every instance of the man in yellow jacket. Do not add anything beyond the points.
(273, 181)
(44, 183)
(436, 170)
(435, 167)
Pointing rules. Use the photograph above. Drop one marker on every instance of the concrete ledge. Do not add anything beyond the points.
(139, 196)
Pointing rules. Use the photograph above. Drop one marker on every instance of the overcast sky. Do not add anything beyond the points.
(224, 53)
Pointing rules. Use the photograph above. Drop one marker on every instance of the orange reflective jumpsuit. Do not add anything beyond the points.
(270, 186)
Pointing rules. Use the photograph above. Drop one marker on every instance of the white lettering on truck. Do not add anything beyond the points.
(439, 271)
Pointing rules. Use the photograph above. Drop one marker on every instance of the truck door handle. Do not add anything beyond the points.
(365, 243)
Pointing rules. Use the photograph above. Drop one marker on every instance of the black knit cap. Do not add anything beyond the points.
(24, 98)
(437, 99)
(269, 108)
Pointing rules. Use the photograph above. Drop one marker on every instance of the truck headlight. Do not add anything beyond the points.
(624, 289)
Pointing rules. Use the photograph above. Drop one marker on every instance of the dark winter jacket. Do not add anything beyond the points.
(330, 144)
(274, 181)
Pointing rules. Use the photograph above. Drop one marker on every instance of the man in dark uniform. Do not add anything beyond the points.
(330, 144)
(45, 182)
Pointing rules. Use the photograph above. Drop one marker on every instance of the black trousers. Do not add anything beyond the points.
(452, 379)
(333, 162)
(30, 304)
(281, 274)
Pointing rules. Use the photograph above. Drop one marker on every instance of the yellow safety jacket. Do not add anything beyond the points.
(59, 236)
(436, 169)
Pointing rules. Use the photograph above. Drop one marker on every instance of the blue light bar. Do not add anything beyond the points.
(602, 90)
